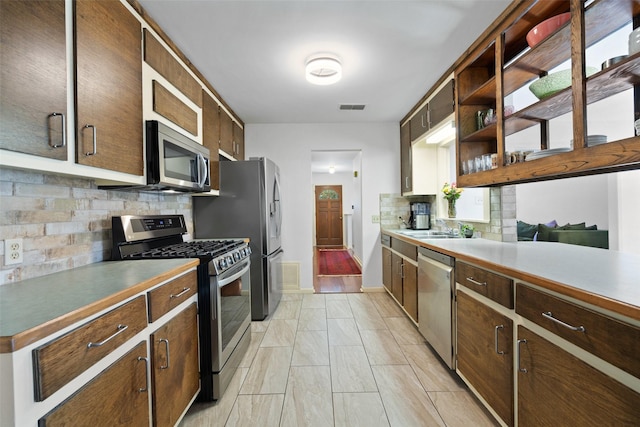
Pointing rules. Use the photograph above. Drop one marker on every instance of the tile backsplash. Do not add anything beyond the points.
(65, 222)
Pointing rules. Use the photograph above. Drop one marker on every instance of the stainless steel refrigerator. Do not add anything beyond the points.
(248, 206)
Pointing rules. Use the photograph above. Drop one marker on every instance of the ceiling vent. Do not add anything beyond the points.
(359, 107)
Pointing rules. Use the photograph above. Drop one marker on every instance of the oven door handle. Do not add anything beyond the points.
(226, 280)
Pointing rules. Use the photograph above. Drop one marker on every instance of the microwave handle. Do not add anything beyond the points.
(202, 170)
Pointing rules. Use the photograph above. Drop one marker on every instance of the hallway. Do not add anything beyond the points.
(340, 360)
(334, 284)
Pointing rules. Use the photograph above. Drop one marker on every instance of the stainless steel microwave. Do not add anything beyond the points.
(175, 162)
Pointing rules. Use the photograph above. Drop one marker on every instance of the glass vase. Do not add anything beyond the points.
(452, 209)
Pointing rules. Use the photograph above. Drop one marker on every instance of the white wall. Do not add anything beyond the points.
(290, 146)
(571, 200)
(611, 201)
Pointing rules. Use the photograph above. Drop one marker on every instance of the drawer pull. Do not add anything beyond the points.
(496, 338)
(121, 329)
(475, 282)
(166, 345)
(184, 291)
(146, 374)
(95, 141)
(64, 130)
(549, 316)
(524, 370)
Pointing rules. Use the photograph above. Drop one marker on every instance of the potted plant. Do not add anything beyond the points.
(467, 230)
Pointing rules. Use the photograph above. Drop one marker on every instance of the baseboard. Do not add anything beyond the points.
(376, 289)
(298, 291)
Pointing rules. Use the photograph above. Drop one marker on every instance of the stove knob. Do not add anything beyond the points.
(236, 256)
(222, 264)
(229, 260)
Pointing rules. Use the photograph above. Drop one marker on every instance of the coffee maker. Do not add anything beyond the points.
(420, 218)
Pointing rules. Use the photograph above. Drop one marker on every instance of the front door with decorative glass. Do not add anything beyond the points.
(328, 215)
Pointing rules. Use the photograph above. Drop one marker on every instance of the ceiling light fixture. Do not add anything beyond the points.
(332, 169)
(323, 70)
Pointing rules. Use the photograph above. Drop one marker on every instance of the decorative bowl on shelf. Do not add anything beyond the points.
(555, 82)
(547, 27)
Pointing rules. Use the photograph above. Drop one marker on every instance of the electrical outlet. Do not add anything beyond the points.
(12, 251)
(375, 219)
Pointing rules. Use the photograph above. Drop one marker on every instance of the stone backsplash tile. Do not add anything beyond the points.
(65, 222)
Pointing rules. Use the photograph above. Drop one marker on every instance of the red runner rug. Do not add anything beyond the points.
(332, 262)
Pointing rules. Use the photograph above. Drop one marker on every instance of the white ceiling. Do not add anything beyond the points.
(254, 52)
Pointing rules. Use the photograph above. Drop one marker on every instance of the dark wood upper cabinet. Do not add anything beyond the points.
(108, 45)
(33, 104)
(238, 142)
(226, 132)
(161, 60)
(406, 172)
(442, 104)
(420, 123)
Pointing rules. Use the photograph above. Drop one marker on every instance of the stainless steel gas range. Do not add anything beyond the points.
(224, 282)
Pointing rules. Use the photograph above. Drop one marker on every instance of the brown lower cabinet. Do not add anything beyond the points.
(396, 277)
(484, 353)
(556, 388)
(386, 268)
(175, 375)
(119, 396)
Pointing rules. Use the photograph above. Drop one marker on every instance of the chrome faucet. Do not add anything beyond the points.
(403, 222)
(445, 227)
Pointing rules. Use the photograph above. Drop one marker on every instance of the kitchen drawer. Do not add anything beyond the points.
(170, 295)
(61, 360)
(493, 286)
(612, 340)
(385, 240)
(118, 396)
(406, 249)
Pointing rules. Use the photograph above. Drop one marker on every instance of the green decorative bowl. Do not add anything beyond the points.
(555, 82)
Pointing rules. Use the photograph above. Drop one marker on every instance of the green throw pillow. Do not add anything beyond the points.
(543, 232)
(526, 231)
(580, 226)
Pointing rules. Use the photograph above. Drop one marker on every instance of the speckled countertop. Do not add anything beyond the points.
(605, 278)
(34, 308)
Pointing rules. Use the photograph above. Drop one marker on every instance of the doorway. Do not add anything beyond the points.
(329, 231)
(337, 219)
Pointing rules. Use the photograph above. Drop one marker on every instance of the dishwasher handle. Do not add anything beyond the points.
(437, 256)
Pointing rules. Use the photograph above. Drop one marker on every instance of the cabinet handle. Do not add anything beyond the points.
(406, 182)
(95, 141)
(496, 338)
(429, 117)
(184, 291)
(64, 130)
(121, 329)
(166, 346)
(518, 356)
(146, 374)
(402, 270)
(475, 282)
(549, 316)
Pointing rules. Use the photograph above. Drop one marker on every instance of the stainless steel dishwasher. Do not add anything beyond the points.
(435, 302)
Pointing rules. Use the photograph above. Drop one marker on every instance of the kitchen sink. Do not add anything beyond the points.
(428, 234)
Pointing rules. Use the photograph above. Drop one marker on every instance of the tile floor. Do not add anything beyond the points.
(340, 360)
